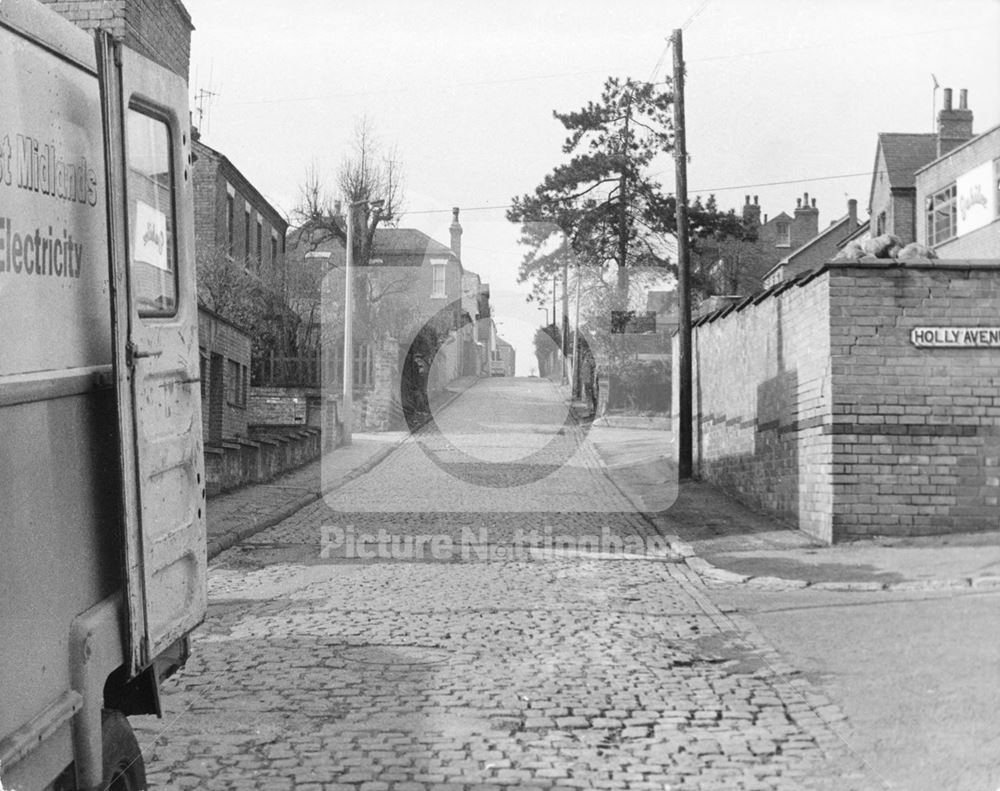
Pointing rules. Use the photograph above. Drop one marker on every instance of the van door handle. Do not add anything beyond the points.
(133, 353)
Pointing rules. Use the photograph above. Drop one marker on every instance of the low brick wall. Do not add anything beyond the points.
(813, 402)
(283, 406)
(270, 451)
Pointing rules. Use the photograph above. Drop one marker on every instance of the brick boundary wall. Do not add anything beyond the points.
(762, 402)
(812, 402)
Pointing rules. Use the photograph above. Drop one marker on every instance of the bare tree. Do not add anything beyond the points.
(368, 173)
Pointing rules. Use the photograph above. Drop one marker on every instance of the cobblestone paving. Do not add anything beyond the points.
(483, 665)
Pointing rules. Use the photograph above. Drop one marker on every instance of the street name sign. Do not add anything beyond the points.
(955, 337)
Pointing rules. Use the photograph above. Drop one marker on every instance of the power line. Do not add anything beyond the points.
(506, 206)
(695, 15)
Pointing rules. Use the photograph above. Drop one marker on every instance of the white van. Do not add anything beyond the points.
(102, 511)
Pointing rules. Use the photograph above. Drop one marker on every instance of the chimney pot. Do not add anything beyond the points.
(814, 203)
(798, 203)
(754, 200)
(947, 98)
(963, 99)
(747, 201)
(805, 200)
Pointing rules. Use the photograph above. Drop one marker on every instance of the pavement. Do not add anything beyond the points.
(720, 539)
(239, 514)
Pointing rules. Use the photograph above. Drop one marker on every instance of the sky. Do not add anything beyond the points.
(782, 97)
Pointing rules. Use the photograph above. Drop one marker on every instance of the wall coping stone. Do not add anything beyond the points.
(864, 265)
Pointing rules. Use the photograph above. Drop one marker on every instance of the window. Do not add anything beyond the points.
(274, 248)
(438, 270)
(236, 386)
(783, 234)
(203, 372)
(260, 242)
(246, 232)
(230, 220)
(942, 216)
(152, 260)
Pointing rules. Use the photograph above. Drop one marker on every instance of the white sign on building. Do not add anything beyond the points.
(976, 198)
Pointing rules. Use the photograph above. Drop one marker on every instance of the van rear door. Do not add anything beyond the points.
(156, 359)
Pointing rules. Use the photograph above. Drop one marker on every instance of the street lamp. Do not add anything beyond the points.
(348, 400)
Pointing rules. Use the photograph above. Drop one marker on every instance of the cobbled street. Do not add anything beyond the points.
(485, 609)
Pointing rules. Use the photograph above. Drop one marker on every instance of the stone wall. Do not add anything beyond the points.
(813, 403)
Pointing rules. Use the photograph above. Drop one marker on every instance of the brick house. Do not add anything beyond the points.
(739, 267)
(821, 248)
(958, 200)
(424, 297)
(158, 29)
(231, 217)
(892, 204)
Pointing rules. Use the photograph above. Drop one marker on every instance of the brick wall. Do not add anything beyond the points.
(204, 179)
(815, 405)
(281, 406)
(213, 177)
(761, 400)
(225, 366)
(916, 431)
(158, 29)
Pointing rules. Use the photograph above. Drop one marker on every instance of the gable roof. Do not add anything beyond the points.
(394, 246)
(203, 151)
(838, 227)
(905, 154)
(407, 241)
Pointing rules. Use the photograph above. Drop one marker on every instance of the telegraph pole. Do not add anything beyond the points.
(685, 467)
(565, 318)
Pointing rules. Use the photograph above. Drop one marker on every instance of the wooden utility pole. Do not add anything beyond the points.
(685, 467)
(565, 318)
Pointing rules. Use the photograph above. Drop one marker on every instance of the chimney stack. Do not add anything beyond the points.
(954, 126)
(751, 212)
(806, 223)
(852, 214)
(456, 234)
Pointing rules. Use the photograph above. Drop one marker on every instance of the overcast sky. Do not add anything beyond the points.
(783, 97)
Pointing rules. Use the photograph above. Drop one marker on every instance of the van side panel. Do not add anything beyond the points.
(59, 514)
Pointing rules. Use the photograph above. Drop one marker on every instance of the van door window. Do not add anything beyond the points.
(151, 215)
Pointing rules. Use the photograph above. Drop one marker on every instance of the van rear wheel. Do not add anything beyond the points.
(124, 769)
